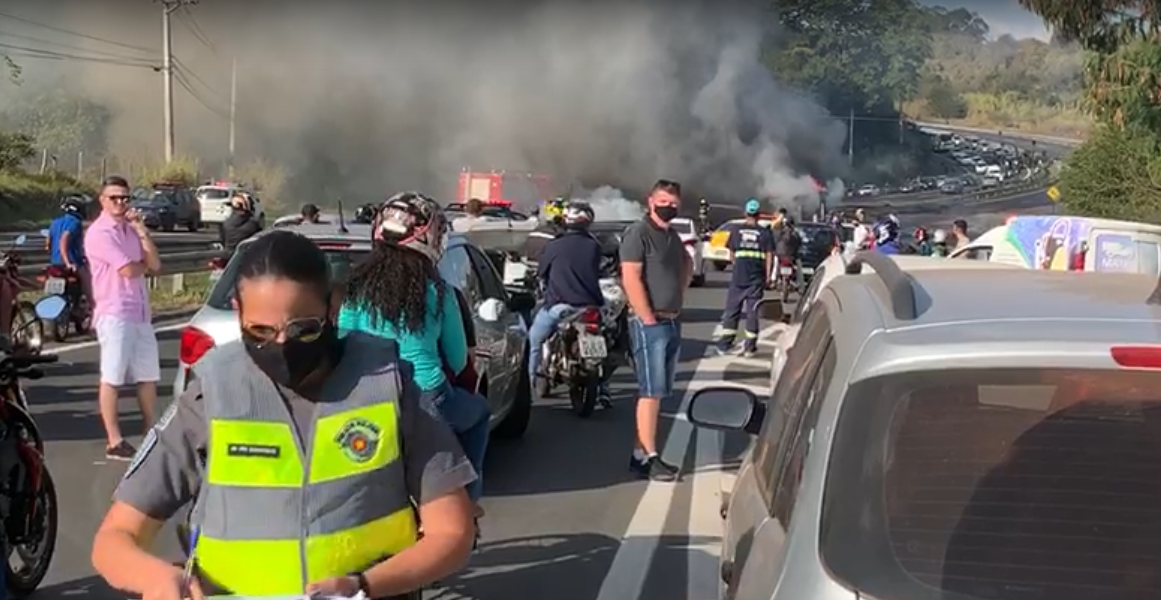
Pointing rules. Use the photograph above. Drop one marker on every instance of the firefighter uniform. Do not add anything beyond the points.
(751, 244)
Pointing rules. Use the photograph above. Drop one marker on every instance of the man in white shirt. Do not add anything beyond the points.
(474, 214)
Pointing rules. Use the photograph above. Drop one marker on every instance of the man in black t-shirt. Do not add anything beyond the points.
(752, 250)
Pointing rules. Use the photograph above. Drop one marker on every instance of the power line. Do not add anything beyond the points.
(78, 34)
(26, 52)
(68, 46)
(182, 66)
(185, 15)
(184, 83)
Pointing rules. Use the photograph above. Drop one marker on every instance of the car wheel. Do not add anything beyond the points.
(721, 265)
(516, 423)
(698, 280)
(168, 227)
(194, 226)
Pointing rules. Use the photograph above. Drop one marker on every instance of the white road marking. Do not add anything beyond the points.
(160, 328)
(626, 576)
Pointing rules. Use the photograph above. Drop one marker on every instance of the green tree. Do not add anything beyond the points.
(15, 148)
(63, 122)
(942, 99)
(1116, 174)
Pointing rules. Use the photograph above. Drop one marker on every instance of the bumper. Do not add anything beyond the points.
(716, 254)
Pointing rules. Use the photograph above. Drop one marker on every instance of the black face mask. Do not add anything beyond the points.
(290, 363)
(665, 213)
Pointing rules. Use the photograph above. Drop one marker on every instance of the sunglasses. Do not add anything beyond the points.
(305, 330)
(119, 198)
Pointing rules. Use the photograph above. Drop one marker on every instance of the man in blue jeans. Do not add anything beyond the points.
(570, 267)
(655, 270)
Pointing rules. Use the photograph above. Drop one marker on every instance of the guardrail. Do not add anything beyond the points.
(1002, 133)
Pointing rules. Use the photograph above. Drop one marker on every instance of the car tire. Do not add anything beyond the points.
(697, 281)
(194, 226)
(168, 227)
(516, 422)
(720, 265)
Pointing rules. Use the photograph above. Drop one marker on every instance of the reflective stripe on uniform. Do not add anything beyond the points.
(749, 254)
(274, 517)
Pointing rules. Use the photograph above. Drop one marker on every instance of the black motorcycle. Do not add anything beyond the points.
(575, 356)
(28, 503)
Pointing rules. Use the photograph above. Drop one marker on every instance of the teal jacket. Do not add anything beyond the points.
(442, 341)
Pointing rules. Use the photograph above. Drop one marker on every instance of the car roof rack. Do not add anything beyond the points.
(899, 284)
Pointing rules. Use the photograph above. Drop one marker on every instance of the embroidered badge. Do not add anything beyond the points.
(359, 439)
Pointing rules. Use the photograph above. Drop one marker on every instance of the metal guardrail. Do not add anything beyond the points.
(171, 263)
(1033, 183)
(1002, 133)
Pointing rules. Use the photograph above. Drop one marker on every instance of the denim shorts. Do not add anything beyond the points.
(655, 351)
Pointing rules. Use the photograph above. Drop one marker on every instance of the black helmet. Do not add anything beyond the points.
(74, 205)
(365, 214)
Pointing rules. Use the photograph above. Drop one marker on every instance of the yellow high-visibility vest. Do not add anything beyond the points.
(276, 512)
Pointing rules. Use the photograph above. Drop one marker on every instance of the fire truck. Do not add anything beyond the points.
(504, 188)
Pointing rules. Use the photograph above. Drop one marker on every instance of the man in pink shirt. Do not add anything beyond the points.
(120, 254)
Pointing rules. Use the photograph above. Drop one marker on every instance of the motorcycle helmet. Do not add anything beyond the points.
(365, 214)
(939, 237)
(74, 205)
(885, 231)
(920, 234)
(753, 207)
(554, 209)
(412, 220)
(578, 216)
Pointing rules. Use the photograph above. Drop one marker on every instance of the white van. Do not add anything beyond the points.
(1070, 244)
(994, 171)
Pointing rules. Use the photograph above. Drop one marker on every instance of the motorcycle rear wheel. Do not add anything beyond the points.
(583, 396)
(27, 328)
(36, 556)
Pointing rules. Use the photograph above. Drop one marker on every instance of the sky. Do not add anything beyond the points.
(1004, 17)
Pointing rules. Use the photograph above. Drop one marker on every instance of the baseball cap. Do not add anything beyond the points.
(753, 207)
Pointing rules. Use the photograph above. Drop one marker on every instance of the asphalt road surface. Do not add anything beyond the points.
(563, 513)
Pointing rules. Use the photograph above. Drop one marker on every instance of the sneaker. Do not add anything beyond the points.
(749, 353)
(122, 451)
(654, 469)
(727, 351)
(605, 398)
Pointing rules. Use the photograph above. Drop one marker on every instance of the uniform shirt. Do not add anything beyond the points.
(168, 469)
(109, 245)
(750, 244)
(70, 224)
(663, 257)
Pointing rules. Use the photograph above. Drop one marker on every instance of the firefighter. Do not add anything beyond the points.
(551, 226)
(752, 253)
(703, 209)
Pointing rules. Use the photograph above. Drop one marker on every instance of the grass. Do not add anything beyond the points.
(1008, 111)
(28, 200)
(162, 298)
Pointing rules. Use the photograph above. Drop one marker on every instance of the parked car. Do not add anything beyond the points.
(167, 207)
(214, 202)
(940, 442)
(501, 331)
(693, 245)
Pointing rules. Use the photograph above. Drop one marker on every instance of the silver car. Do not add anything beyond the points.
(979, 434)
(501, 333)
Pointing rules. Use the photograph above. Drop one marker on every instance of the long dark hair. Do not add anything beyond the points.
(391, 285)
(285, 255)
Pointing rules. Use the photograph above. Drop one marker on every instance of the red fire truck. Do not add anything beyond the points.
(504, 188)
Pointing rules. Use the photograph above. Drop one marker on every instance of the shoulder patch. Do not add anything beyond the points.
(147, 446)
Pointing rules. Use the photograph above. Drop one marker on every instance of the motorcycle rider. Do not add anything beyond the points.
(787, 245)
(241, 224)
(862, 235)
(570, 268)
(550, 226)
(886, 233)
(939, 243)
(66, 239)
(923, 245)
(752, 253)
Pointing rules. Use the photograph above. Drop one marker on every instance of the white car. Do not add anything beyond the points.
(214, 202)
(688, 232)
(786, 332)
(493, 218)
(715, 251)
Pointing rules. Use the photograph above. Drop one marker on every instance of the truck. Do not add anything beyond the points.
(504, 188)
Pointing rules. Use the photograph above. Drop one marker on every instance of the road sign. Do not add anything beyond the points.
(1054, 194)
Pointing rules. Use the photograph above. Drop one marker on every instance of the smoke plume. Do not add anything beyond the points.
(359, 99)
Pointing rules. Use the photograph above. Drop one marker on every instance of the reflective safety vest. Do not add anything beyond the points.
(276, 511)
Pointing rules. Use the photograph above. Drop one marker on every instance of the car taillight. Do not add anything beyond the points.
(591, 317)
(785, 262)
(1137, 357)
(194, 345)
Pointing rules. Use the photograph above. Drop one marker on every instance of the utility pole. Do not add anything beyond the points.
(851, 138)
(233, 111)
(167, 8)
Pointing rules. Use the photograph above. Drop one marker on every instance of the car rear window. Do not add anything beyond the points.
(1006, 484)
(341, 263)
(819, 237)
(213, 193)
(683, 227)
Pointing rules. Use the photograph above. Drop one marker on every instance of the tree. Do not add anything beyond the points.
(15, 148)
(942, 99)
(13, 68)
(63, 122)
(1116, 174)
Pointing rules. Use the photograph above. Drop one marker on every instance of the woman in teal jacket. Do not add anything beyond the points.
(397, 293)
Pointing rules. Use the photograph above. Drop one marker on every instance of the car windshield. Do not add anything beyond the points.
(341, 261)
(1004, 484)
(819, 236)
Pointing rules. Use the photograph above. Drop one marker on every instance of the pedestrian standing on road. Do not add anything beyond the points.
(241, 224)
(959, 229)
(121, 253)
(309, 461)
(752, 254)
(655, 271)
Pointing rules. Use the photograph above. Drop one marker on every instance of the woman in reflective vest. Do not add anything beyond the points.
(301, 452)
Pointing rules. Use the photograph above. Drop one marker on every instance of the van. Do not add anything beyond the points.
(993, 171)
(1070, 244)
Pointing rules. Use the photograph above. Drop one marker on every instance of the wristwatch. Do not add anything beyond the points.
(364, 585)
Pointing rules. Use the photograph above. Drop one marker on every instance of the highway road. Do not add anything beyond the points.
(559, 502)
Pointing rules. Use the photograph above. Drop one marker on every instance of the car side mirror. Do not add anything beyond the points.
(726, 409)
(44, 233)
(50, 308)
(491, 310)
(20, 239)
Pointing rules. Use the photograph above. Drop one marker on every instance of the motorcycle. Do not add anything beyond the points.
(27, 330)
(786, 279)
(77, 313)
(28, 502)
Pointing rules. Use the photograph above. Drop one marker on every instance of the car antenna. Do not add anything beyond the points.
(342, 223)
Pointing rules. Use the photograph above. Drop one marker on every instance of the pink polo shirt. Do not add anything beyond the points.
(110, 245)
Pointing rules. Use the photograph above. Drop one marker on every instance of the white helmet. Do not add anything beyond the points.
(939, 237)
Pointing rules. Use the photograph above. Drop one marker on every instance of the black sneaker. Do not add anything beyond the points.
(653, 468)
(605, 398)
(122, 451)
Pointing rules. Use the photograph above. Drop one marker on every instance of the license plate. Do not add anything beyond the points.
(807, 271)
(54, 286)
(787, 271)
(592, 346)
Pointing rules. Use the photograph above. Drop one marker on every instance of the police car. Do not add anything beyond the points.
(716, 251)
(688, 232)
